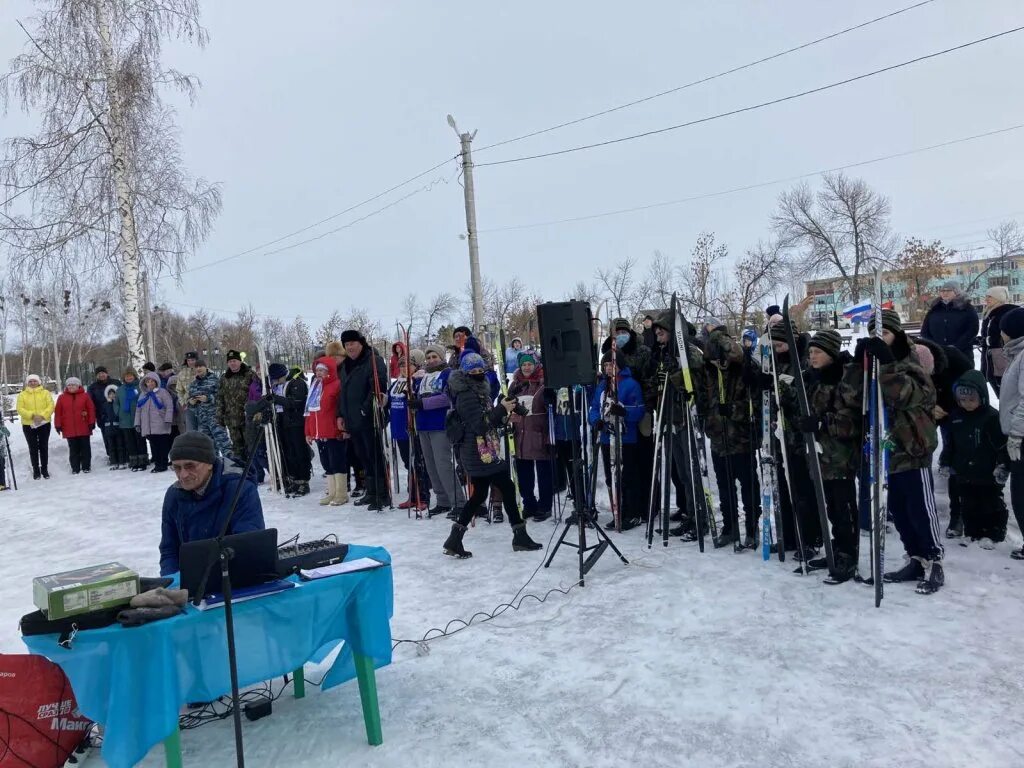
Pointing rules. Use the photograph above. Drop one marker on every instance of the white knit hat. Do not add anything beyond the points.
(999, 293)
(33, 377)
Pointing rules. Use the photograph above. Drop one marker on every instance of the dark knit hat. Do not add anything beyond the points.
(778, 331)
(462, 329)
(352, 335)
(165, 367)
(890, 321)
(472, 344)
(828, 341)
(101, 369)
(772, 309)
(193, 446)
(620, 360)
(277, 371)
(234, 354)
(191, 356)
(149, 367)
(664, 320)
(1012, 323)
(621, 323)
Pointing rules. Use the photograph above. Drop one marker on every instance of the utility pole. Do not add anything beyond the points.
(147, 308)
(466, 140)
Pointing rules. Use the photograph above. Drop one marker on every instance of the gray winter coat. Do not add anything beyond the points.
(155, 411)
(471, 399)
(1011, 394)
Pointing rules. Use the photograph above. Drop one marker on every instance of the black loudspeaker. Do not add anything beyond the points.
(567, 343)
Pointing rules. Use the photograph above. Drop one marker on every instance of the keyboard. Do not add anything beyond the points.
(309, 554)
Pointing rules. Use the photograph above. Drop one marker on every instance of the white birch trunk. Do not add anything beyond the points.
(128, 244)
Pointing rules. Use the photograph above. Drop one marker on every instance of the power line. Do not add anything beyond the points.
(708, 78)
(758, 185)
(327, 219)
(392, 204)
(753, 107)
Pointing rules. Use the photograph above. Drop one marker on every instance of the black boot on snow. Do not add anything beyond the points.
(521, 541)
(955, 529)
(912, 571)
(677, 516)
(1017, 554)
(453, 544)
(438, 510)
(933, 580)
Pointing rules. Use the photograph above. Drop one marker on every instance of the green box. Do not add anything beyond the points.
(87, 589)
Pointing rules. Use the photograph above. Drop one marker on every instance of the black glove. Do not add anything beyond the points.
(269, 398)
(599, 425)
(810, 423)
(616, 409)
(879, 350)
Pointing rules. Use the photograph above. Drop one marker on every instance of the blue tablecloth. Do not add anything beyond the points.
(135, 681)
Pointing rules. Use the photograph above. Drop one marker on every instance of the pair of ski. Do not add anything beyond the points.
(271, 439)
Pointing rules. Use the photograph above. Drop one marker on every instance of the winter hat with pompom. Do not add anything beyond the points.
(472, 363)
(1012, 323)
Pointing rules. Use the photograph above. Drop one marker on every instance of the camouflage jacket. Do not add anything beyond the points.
(909, 399)
(209, 385)
(788, 403)
(234, 392)
(662, 368)
(834, 395)
(728, 419)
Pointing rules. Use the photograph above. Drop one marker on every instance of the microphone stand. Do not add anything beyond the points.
(224, 554)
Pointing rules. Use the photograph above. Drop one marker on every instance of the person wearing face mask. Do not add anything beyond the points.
(637, 356)
(35, 409)
(952, 320)
(479, 452)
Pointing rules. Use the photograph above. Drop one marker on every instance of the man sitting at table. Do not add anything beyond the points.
(197, 505)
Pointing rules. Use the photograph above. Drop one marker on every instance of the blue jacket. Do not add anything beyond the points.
(566, 426)
(187, 517)
(432, 390)
(512, 360)
(630, 397)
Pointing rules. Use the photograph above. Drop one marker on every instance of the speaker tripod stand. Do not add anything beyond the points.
(588, 555)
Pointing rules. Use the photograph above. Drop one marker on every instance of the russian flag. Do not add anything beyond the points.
(861, 312)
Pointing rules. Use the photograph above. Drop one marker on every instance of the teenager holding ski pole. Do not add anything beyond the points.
(909, 397)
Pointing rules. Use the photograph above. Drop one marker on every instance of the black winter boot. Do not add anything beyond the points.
(521, 541)
(453, 544)
(933, 580)
(912, 571)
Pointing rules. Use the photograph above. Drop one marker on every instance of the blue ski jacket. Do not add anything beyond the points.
(629, 396)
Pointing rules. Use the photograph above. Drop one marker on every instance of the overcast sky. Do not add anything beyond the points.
(310, 107)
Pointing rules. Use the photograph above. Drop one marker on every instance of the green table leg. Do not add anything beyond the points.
(300, 683)
(368, 697)
(172, 749)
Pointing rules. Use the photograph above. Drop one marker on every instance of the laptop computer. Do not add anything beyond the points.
(254, 562)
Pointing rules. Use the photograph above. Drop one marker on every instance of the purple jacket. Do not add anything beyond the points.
(255, 390)
(155, 410)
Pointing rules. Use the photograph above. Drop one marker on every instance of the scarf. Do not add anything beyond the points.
(150, 396)
(316, 391)
(131, 397)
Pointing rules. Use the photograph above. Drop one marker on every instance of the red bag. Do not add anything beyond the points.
(40, 725)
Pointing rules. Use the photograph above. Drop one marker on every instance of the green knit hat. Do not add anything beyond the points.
(890, 321)
(828, 341)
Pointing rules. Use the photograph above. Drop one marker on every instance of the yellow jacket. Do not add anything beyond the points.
(35, 401)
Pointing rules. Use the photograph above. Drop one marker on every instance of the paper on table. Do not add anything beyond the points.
(336, 569)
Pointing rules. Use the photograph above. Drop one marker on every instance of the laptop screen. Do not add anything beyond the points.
(253, 562)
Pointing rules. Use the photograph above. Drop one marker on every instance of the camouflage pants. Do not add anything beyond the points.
(238, 444)
(207, 424)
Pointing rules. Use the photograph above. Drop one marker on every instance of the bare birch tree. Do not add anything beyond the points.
(700, 279)
(102, 182)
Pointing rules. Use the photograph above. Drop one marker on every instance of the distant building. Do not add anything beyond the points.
(975, 277)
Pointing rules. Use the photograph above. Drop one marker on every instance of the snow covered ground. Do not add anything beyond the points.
(678, 659)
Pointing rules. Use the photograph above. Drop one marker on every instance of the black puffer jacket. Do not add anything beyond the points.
(293, 401)
(358, 384)
(471, 399)
(954, 324)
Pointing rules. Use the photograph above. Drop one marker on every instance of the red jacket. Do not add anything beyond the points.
(74, 414)
(397, 352)
(323, 424)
